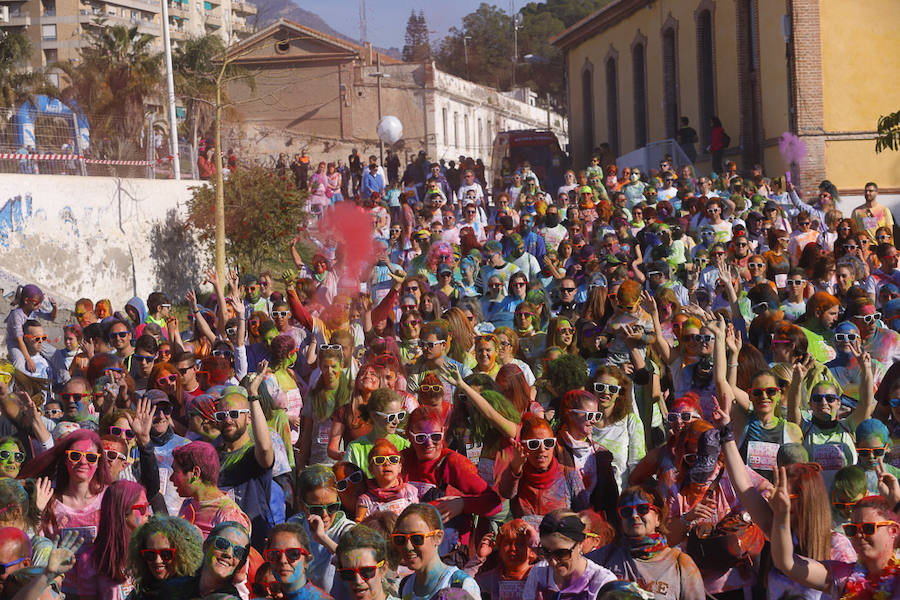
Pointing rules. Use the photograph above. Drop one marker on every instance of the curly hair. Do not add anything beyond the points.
(184, 538)
(568, 372)
(623, 401)
(280, 348)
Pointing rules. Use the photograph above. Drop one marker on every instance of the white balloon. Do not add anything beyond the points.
(390, 129)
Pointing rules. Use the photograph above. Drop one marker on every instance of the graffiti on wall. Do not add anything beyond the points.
(13, 215)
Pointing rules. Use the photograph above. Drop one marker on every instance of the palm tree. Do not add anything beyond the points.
(115, 75)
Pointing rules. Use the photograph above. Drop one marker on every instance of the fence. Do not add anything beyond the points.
(63, 143)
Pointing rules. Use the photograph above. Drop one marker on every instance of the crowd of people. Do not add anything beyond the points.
(638, 385)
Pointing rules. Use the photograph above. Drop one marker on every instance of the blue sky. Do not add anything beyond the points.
(387, 18)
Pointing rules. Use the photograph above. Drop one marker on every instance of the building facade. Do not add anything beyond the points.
(56, 28)
(815, 68)
(318, 92)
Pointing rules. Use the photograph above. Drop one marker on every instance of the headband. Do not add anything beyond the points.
(571, 527)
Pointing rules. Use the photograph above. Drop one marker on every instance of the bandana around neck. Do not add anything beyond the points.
(647, 546)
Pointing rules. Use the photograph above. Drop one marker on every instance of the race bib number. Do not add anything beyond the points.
(473, 452)
(324, 434)
(512, 590)
(830, 456)
(781, 280)
(761, 455)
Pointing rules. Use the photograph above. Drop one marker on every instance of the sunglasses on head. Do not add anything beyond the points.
(417, 539)
(121, 431)
(868, 528)
(607, 388)
(845, 337)
(536, 443)
(379, 460)
(292, 555)
(423, 438)
(223, 544)
(322, 509)
(684, 417)
(344, 483)
(75, 456)
(628, 511)
(368, 572)
(165, 554)
(18, 457)
(769, 392)
(396, 417)
(223, 415)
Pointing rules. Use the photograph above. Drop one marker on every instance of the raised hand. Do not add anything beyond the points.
(398, 275)
(142, 420)
(234, 283)
(263, 371)
(519, 456)
(451, 374)
(62, 557)
(191, 298)
(717, 326)
(485, 546)
(720, 418)
(648, 303)
(290, 278)
(213, 277)
(43, 492)
(803, 366)
(780, 501)
(888, 486)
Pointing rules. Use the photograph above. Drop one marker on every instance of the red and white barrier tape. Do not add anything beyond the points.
(90, 161)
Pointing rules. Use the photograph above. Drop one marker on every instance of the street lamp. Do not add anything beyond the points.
(170, 92)
(379, 75)
(466, 39)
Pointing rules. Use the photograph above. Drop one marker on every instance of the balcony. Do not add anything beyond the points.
(243, 8)
(179, 10)
(213, 21)
(152, 7)
(17, 21)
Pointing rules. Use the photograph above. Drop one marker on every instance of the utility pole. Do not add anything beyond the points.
(170, 92)
(379, 75)
(516, 23)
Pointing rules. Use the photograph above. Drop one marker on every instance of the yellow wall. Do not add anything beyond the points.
(851, 163)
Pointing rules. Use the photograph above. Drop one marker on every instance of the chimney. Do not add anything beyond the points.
(369, 54)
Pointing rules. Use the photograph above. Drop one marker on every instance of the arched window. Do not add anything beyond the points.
(639, 67)
(612, 104)
(587, 101)
(705, 72)
(670, 83)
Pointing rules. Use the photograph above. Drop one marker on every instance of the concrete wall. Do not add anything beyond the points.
(84, 236)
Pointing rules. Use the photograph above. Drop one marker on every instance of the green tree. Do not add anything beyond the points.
(261, 214)
(487, 33)
(888, 132)
(17, 85)
(418, 46)
(115, 75)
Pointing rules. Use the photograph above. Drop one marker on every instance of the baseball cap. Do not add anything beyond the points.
(157, 397)
(444, 269)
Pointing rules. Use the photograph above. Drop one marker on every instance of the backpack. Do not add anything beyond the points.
(726, 139)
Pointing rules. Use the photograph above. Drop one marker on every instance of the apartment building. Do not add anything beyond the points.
(57, 28)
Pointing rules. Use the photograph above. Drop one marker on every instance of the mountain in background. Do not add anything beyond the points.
(272, 10)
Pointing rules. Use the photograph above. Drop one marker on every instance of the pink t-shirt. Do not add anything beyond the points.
(82, 579)
(209, 513)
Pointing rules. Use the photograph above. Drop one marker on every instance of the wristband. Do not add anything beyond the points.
(254, 398)
(726, 433)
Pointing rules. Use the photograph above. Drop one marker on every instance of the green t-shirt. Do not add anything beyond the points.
(358, 450)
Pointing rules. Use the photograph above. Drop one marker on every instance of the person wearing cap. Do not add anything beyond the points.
(565, 572)
(29, 300)
(164, 440)
(247, 461)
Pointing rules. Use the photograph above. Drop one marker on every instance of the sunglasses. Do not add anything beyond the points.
(291, 554)
(230, 330)
(795, 282)
(589, 415)
(322, 509)
(699, 337)
(769, 392)
(566, 330)
(349, 573)
(281, 314)
(73, 397)
(850, 247)
(121, 431)
(165, 554)
(527, 315)
(144, 358)
(417, 539)
(75, 456)
(628, 511)
(37, 338)
(536, 443)
(143, 509)
(422, 438)
(223, 544)
(330, 347)
(164, 379)
(824, 398)
(430, 345)
(869, 319)
(607, 388)
(559, 555)
(845, 337)
(164, 354)
(53, 412)
(111, 455)
(863, 452)
(394, 459)
(223, 415)
(701, 261)
(184, 370)
(344, 483)
(854, 529)
(567, 290)
(18, 457)
(398, 417)
(755, 265)
(844, 505)
(223, 354)
(684, 417)
(759, 308)
(119, 334)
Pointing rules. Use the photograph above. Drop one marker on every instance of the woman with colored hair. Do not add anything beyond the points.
(642, 554)
(564, 571)
(575, 448)
(873, 449)
(347, 422)
(428, 460)
(80, 472)
(418, 534)
(462, 336)
(385, 414)
(513, 551)
(195, 475)
(331, 391)
(123, 510)
(822, 311)
(534, 481)
(511, 383)
(618, 429)
(849, 487)
(289, 556)
(161, 550)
